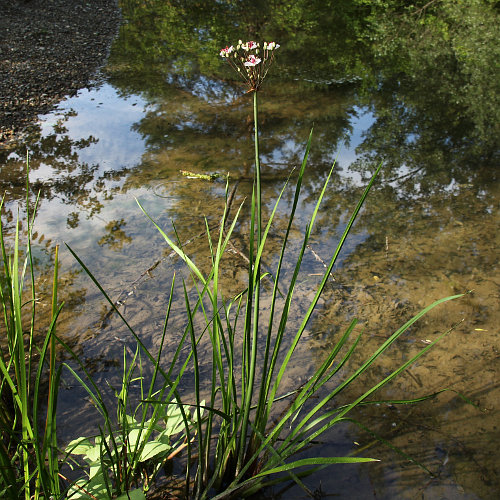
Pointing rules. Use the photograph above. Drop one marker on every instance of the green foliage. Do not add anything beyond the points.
(448, 52)
(135, 453)
(28, 454)
(252, 440)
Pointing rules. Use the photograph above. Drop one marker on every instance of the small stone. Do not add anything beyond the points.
(42, 64)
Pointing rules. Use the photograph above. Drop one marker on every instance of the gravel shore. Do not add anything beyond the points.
(49, 49)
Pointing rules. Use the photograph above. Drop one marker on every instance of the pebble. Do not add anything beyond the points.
(48, 52)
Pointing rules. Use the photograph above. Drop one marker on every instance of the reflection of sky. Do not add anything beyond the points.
(360, 122)
(52, 221)
(103, 114)
(109, 117)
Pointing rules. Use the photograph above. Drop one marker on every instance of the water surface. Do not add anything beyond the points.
(429, 228)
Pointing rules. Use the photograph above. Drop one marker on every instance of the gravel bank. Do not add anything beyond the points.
(49, 49)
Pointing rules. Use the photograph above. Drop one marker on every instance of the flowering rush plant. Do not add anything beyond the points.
(251, 60)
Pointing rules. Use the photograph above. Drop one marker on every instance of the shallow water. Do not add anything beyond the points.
(429, 228)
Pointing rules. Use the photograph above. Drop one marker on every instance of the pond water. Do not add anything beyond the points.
(424, 105)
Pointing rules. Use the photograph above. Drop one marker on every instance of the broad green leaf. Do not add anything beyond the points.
(174, 425)
(94, 453)
(84, 488)
(133, 437)
(79, 446)
(154, 448)
(133, 495)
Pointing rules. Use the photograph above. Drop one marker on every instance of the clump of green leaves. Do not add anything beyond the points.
(147, 446)
(28, 452)
(256, 445)
(126, 459)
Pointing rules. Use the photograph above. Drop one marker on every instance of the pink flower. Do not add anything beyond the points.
(252, 61)
(249, 45)
(225, 52)
(271, 45)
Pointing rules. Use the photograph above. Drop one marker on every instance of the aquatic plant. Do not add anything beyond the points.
(247, 441)
(250, 431)
(29, 463)
(123, 461)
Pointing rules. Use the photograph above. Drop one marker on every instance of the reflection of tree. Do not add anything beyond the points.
(427, 72)
(436, 92)
(116, 236)
(72, 182)
(423, 134)
(450, 53)
(168, 52)
(428, 76)
(218, 137)
(320, 36)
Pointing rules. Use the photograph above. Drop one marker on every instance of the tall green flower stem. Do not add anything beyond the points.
(248, 379)
(257, 166)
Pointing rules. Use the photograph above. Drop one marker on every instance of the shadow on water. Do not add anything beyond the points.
(414, 88)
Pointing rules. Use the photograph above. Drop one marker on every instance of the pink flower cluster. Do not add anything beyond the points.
(251, 60)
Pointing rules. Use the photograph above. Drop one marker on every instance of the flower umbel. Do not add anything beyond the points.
(251, 61)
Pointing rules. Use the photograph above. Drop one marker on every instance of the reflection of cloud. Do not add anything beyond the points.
(102, 113)
(52, 221)
(360, 123)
